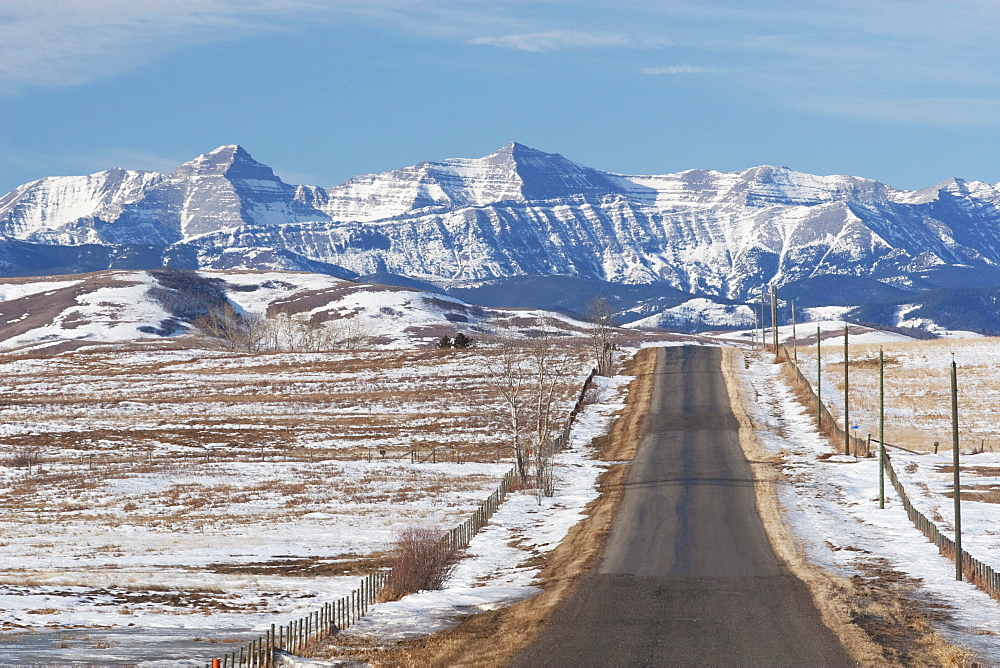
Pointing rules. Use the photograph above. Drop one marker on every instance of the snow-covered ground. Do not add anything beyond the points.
(697, 313)
(493, 572)
(806, 331)
(180, 500)
(832, 504)
(37, 314)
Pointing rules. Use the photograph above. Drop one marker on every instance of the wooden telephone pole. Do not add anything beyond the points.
(847, 398)
(955, 458)
(795, 340)
(763, 340)
(819, 379)
(881, 429)
(774, 317)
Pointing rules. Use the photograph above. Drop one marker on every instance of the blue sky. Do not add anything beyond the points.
(903, 91)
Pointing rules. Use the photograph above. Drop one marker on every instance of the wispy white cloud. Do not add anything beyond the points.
(68, 42)
(849, 50)
(682, 69)
(946, 111)
(71, 42)
(73, 163)
(557, 40)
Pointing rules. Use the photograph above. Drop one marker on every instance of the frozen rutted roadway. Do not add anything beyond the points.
(688, 576)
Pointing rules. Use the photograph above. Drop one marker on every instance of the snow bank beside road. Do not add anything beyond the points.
(832, 505)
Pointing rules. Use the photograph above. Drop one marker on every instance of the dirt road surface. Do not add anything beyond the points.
(688, 576)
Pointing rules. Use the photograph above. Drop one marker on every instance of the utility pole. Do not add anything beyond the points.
(763, 339)
(756, 323)
(958, 489)
(847, 398)
(881, 429)
(819, 380)
(774, 317)
(795, 340)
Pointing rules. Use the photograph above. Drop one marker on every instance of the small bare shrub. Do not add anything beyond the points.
(24, 457)
(591, 396)
(422, 559)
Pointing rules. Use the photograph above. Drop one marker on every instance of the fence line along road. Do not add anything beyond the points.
(334, 617)
(981, 574)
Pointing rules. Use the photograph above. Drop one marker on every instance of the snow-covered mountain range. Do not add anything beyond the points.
(514, 213)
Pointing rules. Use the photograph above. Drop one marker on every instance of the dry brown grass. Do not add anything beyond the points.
(494, 638)
(621, 443)
(876, 618)
(983, 493)
(108, 423)
(917, 389)
(134, 410)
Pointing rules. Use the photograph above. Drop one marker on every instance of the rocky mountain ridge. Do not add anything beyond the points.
(516, 212)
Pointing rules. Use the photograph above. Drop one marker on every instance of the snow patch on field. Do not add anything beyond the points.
(699, 313)
(107, 314)
(12, 291)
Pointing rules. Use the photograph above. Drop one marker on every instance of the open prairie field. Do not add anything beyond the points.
(917, 389)
(202, 492)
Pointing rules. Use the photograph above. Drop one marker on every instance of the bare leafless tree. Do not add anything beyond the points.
(603, 335)
(282, 331)
(529, 376)
(299, 333)
(550, 364)
(508, 374)
(233, 330)
(349, 333)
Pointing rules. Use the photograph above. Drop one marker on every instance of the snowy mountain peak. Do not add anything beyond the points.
(512, 146)
(976, 189)
(519, 152)
(766, 185)
(231, 161)
(953, 188)
(544, 176)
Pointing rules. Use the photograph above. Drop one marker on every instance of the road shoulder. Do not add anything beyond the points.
(864, 614)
